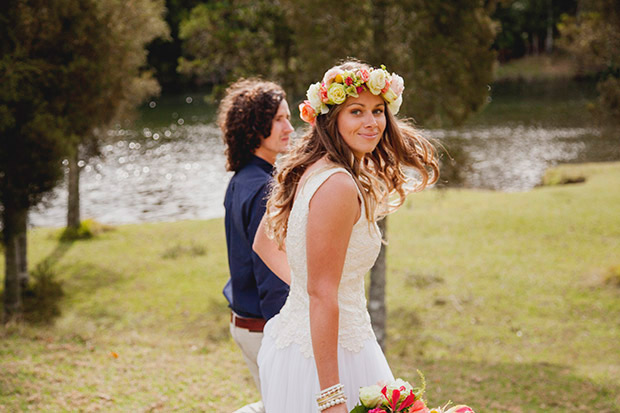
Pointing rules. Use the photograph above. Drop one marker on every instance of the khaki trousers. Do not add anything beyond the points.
(249, 343)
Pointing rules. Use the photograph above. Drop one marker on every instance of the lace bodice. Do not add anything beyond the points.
(292, 325)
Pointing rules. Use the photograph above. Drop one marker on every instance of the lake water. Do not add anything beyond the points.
(171, 166)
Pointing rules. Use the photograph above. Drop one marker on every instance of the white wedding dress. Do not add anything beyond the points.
(289, 381)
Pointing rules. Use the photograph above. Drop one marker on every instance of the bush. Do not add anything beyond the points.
(88, 229)
(612, 276)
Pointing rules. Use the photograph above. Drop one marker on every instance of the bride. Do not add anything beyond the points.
(329, 192)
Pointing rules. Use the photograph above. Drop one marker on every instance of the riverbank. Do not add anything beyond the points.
(500, 299)
(536, 68)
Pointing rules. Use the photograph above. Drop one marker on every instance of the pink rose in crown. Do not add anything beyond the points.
(387, 86)
(323, 93)
(363, 74)
(307, 112)
(398, 84)
(330, 75)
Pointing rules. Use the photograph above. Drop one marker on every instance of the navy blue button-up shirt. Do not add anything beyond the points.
(252, 290)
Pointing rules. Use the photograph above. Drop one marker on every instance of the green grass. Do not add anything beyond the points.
(500, 299)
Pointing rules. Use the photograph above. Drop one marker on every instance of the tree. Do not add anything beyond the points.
(56, 86)
(593, 38)
(228, 39)
(33, 135)
(115, 80)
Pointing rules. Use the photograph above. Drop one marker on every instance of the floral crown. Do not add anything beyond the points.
(337, 84)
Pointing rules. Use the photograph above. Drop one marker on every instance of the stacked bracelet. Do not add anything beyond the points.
(331, 397)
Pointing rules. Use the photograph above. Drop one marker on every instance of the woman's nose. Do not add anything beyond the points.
(369, 120)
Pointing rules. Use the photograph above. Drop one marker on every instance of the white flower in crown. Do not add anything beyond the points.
(395, 106)
(377, 81)
(313, 95)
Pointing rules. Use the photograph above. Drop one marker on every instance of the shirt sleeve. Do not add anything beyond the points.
(272, 291)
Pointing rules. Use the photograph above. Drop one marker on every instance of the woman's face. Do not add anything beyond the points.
(361, 122)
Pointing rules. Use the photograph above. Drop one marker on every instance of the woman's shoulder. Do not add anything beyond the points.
(333, 177)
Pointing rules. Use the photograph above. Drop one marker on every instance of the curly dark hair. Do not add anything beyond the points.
(245, 117)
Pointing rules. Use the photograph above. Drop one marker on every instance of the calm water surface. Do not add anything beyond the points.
(171, 165)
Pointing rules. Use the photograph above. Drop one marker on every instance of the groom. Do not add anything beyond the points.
(255, 120)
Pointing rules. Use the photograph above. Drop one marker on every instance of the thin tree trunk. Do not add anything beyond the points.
(549, 38)
(376, 300)
(73, 208)
(376, 296)
(22, 242)
(14, 221)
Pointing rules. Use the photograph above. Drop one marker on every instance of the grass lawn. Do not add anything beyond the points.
(502, 300)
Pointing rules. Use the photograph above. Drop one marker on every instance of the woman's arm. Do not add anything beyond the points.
(334, 208)
(271, 255)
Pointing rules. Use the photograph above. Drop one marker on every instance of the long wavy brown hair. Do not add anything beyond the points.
(379, 174)
(245, 116)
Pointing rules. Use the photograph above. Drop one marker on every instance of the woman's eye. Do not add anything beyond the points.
(378, 111)
(356, 111)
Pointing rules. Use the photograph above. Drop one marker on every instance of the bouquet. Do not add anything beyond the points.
(400, 397)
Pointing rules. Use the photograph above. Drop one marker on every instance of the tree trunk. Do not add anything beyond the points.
(376, 296)
(14, 221)
(22, 265)
(73, 208)
(549, 38)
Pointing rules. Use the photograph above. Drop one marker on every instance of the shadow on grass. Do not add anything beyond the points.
(41, 296)
(510, 387)
(218, 323)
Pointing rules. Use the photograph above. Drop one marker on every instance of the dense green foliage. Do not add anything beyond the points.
(593, 37)
(529, 26)
(37, 68)
(442, 49)
(66, 69)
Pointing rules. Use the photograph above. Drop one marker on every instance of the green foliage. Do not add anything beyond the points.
(88, 228)
(526, 24)
(593, 37)
(66, 68)
(224, 40)
(560, 176)
(442, 49)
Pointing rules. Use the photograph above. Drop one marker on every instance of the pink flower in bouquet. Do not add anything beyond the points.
(377, 410)
(419, 407)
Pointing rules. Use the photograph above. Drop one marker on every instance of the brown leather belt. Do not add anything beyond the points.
(254, 325)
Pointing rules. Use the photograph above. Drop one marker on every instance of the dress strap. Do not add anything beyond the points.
(314, 181)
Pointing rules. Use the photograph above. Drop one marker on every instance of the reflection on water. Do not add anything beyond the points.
(515, 159)
(164, 174)
(172, 166)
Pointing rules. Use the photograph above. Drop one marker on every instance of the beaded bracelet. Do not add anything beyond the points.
(331, 397)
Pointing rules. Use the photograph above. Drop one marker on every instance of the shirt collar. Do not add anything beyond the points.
(261, 163)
